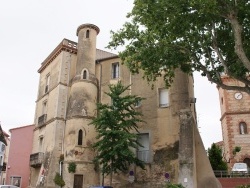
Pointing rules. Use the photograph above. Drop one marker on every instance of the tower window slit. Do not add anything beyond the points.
(87, 34)
(80, 137)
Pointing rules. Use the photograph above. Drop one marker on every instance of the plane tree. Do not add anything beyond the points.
(209, 36)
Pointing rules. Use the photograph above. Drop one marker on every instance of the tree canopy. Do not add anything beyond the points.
(209, 36)
(116, 126)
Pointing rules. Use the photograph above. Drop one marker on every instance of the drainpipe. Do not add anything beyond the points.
(99, 100)
(60, 168)
(65, 114)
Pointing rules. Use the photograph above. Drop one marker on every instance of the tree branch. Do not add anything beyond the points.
(237, 30)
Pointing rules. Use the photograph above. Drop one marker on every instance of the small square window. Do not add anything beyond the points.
(15, 180)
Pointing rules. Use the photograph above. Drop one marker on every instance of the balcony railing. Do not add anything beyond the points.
(36, 159)
(42, 119)
(143, 155)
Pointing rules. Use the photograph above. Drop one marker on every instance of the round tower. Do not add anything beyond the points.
(86, 48)
(81, 109)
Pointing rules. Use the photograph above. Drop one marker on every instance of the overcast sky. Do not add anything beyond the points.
(31, 29)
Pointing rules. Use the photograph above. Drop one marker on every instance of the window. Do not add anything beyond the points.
(113, 104)
(115, 70)
(85, 74)
(80, 137)
(44, 107)
(243, 128)
(41, 143)
(47, 83)
(163, 98)
(143, 150)
(87, 34)
(15, 180)
(1, 160)
(3, 148)
(138, 103)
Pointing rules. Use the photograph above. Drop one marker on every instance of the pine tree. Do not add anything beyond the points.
(116, 126)
(215, 158)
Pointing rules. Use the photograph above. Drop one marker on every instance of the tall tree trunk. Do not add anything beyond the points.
(111, 174)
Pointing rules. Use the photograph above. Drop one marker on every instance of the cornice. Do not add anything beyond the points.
(65, 45)
(233, 113)
(60, 83)
(48, 122)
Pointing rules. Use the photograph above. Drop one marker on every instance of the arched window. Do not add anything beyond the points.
(80, 137)
(84, 74)
(87, 34)
(243, 128)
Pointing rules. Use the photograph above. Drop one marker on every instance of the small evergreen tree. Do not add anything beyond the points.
(215, 158)
(116, 126)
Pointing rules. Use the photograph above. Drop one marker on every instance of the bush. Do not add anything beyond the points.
(72, 167)
(170, 185)
(243, 186)
(58, 180)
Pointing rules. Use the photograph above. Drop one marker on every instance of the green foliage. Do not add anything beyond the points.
(236, 150)
(72, 167)
(4, 167)
(215, 158)
(58, 180)
(61, 158)
(116, 127)
(209, 36)
(243, 186)
(170, 185)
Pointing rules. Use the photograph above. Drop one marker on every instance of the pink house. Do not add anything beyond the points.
(18, 169)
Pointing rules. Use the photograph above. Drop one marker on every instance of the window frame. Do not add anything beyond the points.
(40, 142)
(115, 74)
(138, 103)
(47, 82)
(83, 74)
(143, 154)
(45, 107)
(243, 128)
(12, 178)
(163, 91)
(87, 33)
(80, 137)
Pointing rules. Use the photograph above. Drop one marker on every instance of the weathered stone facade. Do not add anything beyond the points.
(73, 78)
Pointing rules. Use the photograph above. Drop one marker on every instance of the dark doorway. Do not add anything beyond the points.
(78, 181)
(247, 160)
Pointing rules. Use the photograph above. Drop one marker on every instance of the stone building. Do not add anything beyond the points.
(235, 120)
(73, 78)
